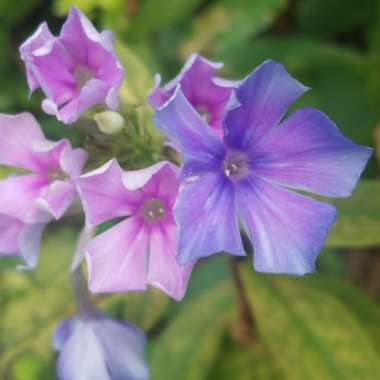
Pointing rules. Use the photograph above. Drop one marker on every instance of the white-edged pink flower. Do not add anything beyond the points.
(141, 249)
(44, 192)
(76, 70)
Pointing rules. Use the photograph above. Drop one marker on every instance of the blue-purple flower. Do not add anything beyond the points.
(244, 176)
(76, 70)
(95, 347)
(206, 92)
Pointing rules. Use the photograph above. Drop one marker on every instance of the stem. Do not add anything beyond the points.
(82, 296)
(243, 330)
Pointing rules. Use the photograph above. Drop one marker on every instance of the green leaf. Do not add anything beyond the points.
(142, 308)
(227, 23)
(138, 80)
(186, 349)
(358, 222)
(312, 334)
(319, 17)
(367, 312)
(254, 362)
(155, 15)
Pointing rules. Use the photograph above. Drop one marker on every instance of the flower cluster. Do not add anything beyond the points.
(242, 165)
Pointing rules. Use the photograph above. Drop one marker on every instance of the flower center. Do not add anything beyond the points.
(153, 210)
(235, 165)
(82, 75)
(56, 175)
(204, 113)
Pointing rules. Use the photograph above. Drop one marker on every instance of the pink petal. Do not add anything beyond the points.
(57, 197)
(164, 272)
(18, 133)
(10, 230)
(117, 258)
(104, 196)
(38, 39)
(18, 196)
(72, 161)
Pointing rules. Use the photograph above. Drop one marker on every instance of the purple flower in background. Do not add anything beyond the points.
(245, 175)
(96, 347)
(46, 190)
(76, 70)
(141, 249)
(207, 93)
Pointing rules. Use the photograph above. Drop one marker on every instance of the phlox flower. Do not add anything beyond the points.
(76, 70)
(96, 347)
(45, 189)
(20, 239)
(140, 250)
(243, 176)
(206, 92)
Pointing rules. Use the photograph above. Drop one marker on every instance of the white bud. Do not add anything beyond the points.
(109, 122)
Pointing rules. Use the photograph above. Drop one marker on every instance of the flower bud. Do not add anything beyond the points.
(109, 122)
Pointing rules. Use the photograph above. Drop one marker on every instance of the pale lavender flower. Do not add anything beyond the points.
(96, 347)
(20, 239)
(45, 191)
(76, 70)
(206, 92)
(244, 175)
(141, 249)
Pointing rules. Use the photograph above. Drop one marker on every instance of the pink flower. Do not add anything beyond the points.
(45, 191)
(76, 70)
(141, 249)
(206, 92)
(20, 239)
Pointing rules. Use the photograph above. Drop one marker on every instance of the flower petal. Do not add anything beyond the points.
(164, 272)
(38, 39)
(30, 244)
(104, 195)
(18, 198)
(264, 97)
(308, 152)
(206, 217)
(10, 230)
(82, 354)
(287, 229)
(92, 93)
(72, 161)
(117, 258)
(62, 333)
(124, 349)
(57, 198)
(18, 133)
(197, 79)
(179, 121)
(53, 68)
(136, 179)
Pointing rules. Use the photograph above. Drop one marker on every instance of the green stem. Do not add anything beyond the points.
(243, 330)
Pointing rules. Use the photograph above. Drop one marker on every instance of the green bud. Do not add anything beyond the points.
(109, 122)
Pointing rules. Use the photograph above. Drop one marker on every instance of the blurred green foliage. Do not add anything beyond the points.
(317, 327)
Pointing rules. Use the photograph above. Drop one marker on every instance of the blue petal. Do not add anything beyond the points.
(206, 216)
(264, 97)
(287, 230)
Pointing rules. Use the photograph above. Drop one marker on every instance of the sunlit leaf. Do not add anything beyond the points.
(311, 332)
(188, 346)
(358, 222)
